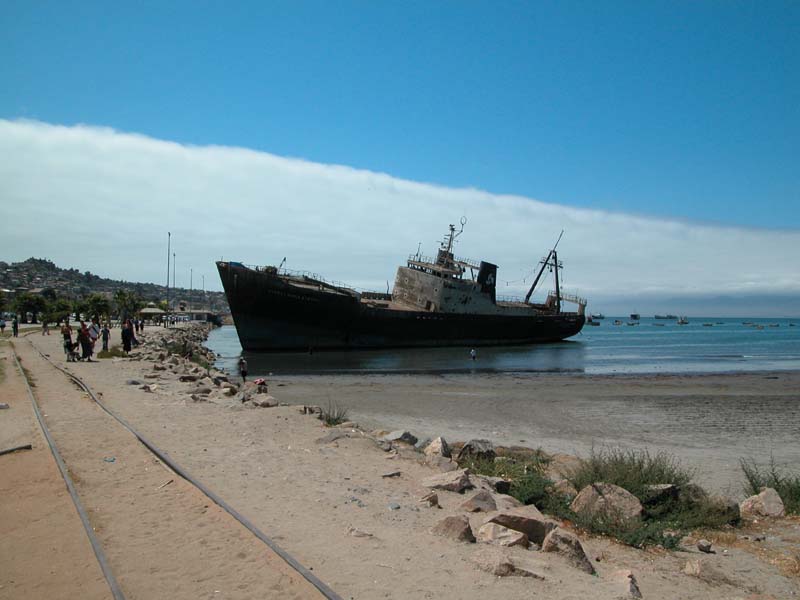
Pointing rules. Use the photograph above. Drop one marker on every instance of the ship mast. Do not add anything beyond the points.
(551, 260)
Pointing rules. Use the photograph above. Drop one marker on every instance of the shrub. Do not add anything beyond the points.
(633, 470)
(664, 522)
(334, 414)
(787, 485)
(523, 468)
(113, 352)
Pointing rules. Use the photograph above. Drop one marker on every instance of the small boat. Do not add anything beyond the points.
(632, 323)
(708, 324)
(634, 316)
(598, 316)
(666, 317)
(791, 324)
(683, 321)
(593, 323)
(774, 324)
(618, 322)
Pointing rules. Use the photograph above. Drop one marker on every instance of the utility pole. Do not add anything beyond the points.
(191, 287)
(169, 240)
(173, 270)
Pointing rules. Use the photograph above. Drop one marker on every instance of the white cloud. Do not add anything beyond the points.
(100, 200)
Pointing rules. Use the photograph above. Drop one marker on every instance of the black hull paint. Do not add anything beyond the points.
(272, 315)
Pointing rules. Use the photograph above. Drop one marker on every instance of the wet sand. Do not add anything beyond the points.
(708, 421)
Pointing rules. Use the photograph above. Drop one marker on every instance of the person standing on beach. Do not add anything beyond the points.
(472, 354)
(2, 325)
(45, 328)
(66, 333)
(86, 342)
(126, 336)
(243, 368)
(105, 333)
(15, 327)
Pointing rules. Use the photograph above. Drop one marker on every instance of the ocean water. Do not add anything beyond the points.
(653, 346)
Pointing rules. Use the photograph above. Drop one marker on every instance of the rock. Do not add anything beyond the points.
(481, 501)
(477, 449)
(659, 493)
(431, 499)
(609, 500)
(438, 447)
(691, 493)
(400, 436)
(264, 401)
(133, 382)
(526, 519)
(187, 377)
(627, 585)
(3, 405)
(230, 391)
(454, 481)
(391, 474)
(565, 489)
(158, 367)
(705, 571)
(704, 546)
(207, 382)
(493, 561)
(766, 504)
(569, 546)
(726, 507)
(492, 484)
(331, 436)
(396, 506)
(198, 398)
(492, 533)
(358, 533)
(505, 502)
(440, 462)
(455, 528)
(201, 390)
(149, 388)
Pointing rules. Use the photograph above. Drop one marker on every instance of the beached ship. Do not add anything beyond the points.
(446, 301)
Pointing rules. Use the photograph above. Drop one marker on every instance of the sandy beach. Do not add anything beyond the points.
(325, 499)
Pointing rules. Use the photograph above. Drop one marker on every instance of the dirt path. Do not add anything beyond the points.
(162, 537)
(44, 551)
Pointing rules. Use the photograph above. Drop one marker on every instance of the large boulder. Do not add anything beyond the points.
(454, 481)
(455, 528)
(438, 447)
(727, 508)
(526, 519)
(492, 484)
(626, 586)
(608, 500)
(766, 504)
(480, 501)
(492, 533)
(569, 546)
(477, 449)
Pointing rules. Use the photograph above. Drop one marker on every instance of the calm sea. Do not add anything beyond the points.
(705, 345)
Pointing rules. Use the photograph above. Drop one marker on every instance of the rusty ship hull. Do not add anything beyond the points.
(273, 312)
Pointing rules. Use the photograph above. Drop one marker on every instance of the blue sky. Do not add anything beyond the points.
(688, 110)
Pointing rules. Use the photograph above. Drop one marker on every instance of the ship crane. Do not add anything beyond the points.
(551, 261)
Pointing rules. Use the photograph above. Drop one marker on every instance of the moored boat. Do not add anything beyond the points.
(446, 301)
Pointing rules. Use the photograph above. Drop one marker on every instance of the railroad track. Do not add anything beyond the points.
(322, 590)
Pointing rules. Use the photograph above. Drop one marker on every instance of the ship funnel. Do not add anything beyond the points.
(487, 279)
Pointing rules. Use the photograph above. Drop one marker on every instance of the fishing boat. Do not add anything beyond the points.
(441, 301)
(683, 321)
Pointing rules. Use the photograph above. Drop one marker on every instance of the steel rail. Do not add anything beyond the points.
(98, 549)
(163, 456)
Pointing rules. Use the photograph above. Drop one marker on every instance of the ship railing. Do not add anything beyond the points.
(574, 298)
(507, 298)
(467, 262)
(316, 277)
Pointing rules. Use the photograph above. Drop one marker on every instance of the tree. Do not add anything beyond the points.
(97, 306)
(2, 302)
(127, 303)
(29, 303)
(58, 310)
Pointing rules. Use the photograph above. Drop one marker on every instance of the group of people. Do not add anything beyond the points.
(86, 338)
(14, 326)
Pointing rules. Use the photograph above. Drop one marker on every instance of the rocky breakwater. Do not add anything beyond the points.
(182, 364)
